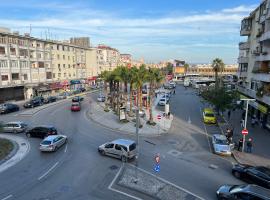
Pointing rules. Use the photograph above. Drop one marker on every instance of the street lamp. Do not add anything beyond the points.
(245, 123)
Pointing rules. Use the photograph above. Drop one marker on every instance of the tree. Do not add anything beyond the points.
(106, 76)
(186, 66)
(133, 76)
(218, 66)
(220, 97)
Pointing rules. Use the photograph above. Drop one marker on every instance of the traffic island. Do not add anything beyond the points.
(6, 147)
(144, 185)
(250, 159)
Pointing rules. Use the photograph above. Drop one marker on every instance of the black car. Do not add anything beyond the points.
(50, 99)
(82, 89)
(8, 108)
(257, 175)
(37, 101)
(243, 192)
(41, 131)
(77, 99)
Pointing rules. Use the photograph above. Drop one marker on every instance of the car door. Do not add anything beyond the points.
(60, 141)
(252, 175)
(8, 127)
(56, 142)
(109, 149)
(34, 132)
(118, 151)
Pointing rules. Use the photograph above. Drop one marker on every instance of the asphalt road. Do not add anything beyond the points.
(77, 171)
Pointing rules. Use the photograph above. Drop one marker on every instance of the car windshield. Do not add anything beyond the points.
(221, 142)
(209, 115)
(46, 142)
(75, 104)
(132, 147)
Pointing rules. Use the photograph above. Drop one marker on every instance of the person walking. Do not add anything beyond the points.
(173, 91)
(249, 145)
(242, 122)
(229, 114)
(240, 144)
(253, 121)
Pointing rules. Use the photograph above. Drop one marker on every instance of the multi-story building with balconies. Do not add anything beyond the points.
(254, 61)
(30, 66)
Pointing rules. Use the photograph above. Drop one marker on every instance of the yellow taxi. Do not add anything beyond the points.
(209, 116)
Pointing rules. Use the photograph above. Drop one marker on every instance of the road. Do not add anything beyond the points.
(77, 171)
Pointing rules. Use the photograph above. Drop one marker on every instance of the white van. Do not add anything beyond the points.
(186, 82)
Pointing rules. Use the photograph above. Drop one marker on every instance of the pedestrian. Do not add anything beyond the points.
(240, 144)
(249, 145)
(173, 91)
(242, 122)
(229, 114)
(243, 115)
(169, 115)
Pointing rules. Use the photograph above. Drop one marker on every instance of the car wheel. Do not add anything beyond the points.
(237, 174)
(28, 135)
(124, 158)
(32, 106)
(55, 148)
(15, 131)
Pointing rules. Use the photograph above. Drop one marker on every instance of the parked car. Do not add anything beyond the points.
(77, 99)
(120, 148)
(8, 108)
(101, 98)
(37, 101)
(243, 192)
(209, 116)
(41, 131)
(82, 89)
(221, 145)
(163, 101)
(50, 99)
(52, 142)
(14, 127)
(75, 106)
(258, 175)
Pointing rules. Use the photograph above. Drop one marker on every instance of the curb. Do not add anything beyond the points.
(13, 151)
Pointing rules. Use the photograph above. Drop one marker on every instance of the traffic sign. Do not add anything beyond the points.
(158, 117)
(244, 132)
(157, 168)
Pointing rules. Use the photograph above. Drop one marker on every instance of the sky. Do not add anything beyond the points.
(196, 31)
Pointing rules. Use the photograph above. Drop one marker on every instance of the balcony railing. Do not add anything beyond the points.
(252, 93)
(265, 77)
(265, 36)
(263, 57)
(244, 45)
(242, 74)
(245, 31)
(243, 60)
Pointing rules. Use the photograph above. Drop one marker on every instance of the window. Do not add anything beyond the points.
(12, 51)
(68, 65)
(107, 146)
(132, 147)
(68, 58)
(59, 75)
(64, 65)
(117, 147)
(38, 44)
(48, 75)
(41, 64)
(14, 64)
(23, 52)
(57, 48)
(2, 50)
(64, 57)
(39, 55)
(25, 77)
(4, 77)
(3, 64)
(53, 75)
(124, 147)
(15, 76)
(58, 56)
(59, 66)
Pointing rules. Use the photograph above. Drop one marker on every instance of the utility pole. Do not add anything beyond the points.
(245, 123)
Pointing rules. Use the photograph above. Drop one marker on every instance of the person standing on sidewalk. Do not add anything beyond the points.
(242, 123)
(240, 144)
(249, 145)
(253, 121)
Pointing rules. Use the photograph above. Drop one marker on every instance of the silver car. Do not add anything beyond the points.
(53, 142)
(120, 148)
(101, 98)
(221, 145)
(14, 127)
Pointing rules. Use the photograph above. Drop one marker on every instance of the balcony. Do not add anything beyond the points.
(265, 77)
(244, 45)
(252, 93)
(245, 31)
(263, 57)
(265, 36)
(242, 74)
(243, 60)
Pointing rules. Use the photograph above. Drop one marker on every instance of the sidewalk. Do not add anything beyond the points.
(260, 137)
(110, 120)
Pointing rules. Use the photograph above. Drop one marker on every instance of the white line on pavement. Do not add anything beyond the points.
(7, 197)
(48, 171)
(66, 148)
(115, 190)
(168, 182)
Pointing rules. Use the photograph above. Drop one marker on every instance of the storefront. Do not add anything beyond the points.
(75, 84)
(12, 93)
(43, 89)
(56, 88)
(92, 80)
(65, 85)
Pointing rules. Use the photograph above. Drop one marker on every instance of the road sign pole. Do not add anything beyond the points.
(245, 127)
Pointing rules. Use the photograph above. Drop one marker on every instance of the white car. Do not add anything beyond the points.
(101, 98)
(53, 142)
(221, 145)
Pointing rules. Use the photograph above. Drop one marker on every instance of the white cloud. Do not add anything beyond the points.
(240, 9)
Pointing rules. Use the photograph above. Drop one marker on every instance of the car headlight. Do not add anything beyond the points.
(218, 192)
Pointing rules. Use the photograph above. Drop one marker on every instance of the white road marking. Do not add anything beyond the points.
(115, 190)
(7, 197)
(168, 182)
(189, 120)
(46, 173)
(66, 148)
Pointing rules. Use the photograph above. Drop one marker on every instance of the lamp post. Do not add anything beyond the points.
(245, 123)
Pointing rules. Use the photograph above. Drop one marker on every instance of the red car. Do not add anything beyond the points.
(75, 106)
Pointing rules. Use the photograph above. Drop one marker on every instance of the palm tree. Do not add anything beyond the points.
(133, 76)
(107, 77)
(218, 66)
(116, 93)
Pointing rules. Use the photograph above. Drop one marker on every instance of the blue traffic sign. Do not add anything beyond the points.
(157, 168)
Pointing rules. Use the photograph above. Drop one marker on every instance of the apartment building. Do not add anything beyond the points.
(108, 58)
(207, 70)
(125, 60)
(30, 66)
(254, 61)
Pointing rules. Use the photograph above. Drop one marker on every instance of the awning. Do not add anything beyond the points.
(93, 78)
(259, 106)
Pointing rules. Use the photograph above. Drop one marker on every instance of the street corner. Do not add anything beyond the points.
(21, 148)
(142, 185)
(250, 159)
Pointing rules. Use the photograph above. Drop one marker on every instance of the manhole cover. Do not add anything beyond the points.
(172, 142)
(23, 144)
(113, 167)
